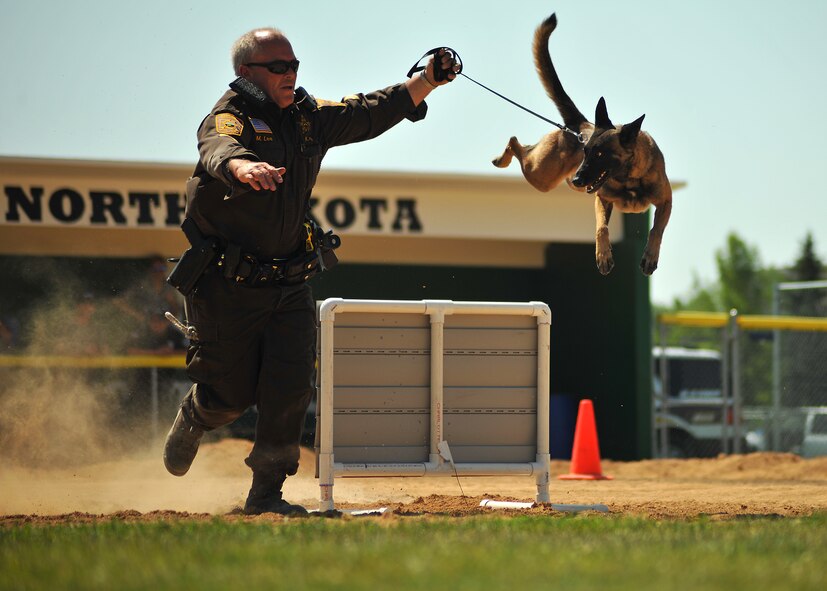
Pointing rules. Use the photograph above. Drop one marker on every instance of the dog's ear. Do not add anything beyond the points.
(601, 116)
(628, 133)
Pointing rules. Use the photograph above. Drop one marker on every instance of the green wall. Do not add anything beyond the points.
(601, 341)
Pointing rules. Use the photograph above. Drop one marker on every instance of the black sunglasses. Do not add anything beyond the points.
(278, 66)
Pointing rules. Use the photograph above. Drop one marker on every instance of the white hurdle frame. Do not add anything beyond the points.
(436, 465)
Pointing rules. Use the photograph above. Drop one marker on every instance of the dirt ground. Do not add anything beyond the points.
(138, 488)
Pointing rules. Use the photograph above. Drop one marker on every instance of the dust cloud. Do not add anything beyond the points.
(58, 415)
(68, 445)
(75, 437)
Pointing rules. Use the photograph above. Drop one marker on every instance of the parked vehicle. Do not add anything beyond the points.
(694, 413)
(815, 433)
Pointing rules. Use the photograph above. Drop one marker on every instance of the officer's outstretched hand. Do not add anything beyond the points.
(445, 62)
(421, 86)
(259, 175)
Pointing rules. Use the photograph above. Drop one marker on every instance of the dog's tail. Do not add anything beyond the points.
(572, 116)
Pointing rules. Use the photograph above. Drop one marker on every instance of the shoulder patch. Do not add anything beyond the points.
(228, 124)
(326, 103)
(260, 126)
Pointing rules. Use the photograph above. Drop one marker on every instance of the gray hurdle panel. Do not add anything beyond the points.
(432, 388)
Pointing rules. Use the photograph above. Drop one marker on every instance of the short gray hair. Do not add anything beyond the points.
(246, 45)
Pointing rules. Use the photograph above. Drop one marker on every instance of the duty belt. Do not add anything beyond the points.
(254, 273)
(316, 257)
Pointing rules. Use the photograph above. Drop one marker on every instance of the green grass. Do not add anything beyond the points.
(477, 553)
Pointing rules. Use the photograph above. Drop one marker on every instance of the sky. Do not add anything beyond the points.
(733, 93)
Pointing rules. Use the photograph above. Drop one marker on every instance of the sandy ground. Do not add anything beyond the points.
(763, 484)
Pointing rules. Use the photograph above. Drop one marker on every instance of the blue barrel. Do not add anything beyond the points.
(562, 418)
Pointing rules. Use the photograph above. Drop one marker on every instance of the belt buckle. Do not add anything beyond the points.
(271, 271)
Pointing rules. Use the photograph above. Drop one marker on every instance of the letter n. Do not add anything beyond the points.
(31, 206)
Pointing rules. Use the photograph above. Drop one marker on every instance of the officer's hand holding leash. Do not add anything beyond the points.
(442, 68)
(259, 175)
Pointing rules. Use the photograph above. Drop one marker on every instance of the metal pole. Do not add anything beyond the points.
(543, 456)
(795, 285)
(437, 315)
(653, 403)
(664, 394)
(776, 373)
(726, 389)
(735, 362)
(327, 313)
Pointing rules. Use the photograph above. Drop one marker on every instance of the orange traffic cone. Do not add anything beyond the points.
(585, 454)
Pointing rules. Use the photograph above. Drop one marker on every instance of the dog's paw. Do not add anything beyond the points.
(502, 161)
(605, 264)
(648, 264)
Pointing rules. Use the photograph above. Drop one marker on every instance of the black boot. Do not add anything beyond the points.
(181, 445)
(265, 496)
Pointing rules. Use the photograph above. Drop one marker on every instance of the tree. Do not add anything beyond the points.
(808, 267)
(702, 298)
(744, 283)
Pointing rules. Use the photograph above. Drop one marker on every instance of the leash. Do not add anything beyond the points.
(439, 76)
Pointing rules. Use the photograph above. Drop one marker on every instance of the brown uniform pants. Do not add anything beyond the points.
(256, 346)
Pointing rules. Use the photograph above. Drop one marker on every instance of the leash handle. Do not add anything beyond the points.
(439, 73)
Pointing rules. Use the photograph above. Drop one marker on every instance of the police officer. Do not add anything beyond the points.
(254, 317)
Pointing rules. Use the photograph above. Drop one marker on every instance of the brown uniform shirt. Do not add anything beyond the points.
(269, 224)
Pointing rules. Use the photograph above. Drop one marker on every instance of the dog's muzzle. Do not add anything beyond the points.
(579, 182)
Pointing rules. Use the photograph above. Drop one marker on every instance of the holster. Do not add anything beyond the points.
(195, 259)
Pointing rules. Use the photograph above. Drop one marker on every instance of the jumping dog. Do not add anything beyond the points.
(620, 164)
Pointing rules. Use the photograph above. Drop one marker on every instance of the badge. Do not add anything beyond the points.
(228, 124)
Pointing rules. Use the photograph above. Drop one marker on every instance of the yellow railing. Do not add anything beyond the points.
(109, 361)
(698, 319)
(745, 322)
(757, 322)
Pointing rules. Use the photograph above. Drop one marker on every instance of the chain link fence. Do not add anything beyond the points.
(799, 374)
(692, 406)
(730, 383)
